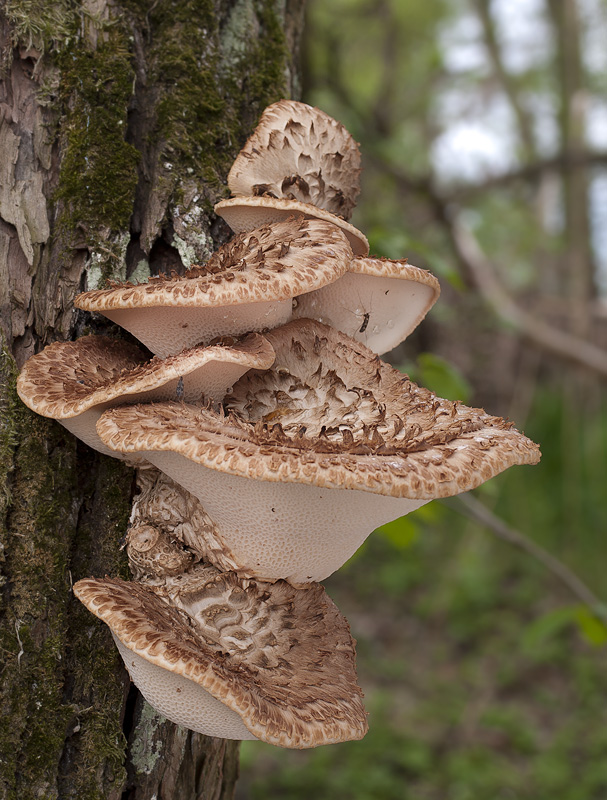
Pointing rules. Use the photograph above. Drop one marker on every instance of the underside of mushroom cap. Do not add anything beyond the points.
(317, 452)
(378, 302)
(247, 285)
(330, 413)
(300, 153)
(68, 378)
(74, 382)
(246, 213)
(280, 659)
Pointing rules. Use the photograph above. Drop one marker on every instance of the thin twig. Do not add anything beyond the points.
(478, 266)
(559, 342)
(468, 505)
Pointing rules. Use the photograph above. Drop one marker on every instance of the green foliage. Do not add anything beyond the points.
(465, 700)
(438, 375)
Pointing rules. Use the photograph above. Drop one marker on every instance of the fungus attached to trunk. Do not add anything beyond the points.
(297, 152)
(275, 485)
(378, 301)
(298, 160)
(247, 285)
(316, 452)
(246, 213)
(230, 657)
(74, 382)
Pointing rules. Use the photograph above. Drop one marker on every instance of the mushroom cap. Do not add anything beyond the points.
(246, 213)
(330, 439)
(74, 382)
(378, 301)
(228, 657)
(298, 152)
(246, 285)
(330, 413)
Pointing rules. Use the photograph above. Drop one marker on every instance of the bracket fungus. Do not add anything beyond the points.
(74, 382)
(266, 460)
(230, 657)
(247, 285)
(298, 160)
(378, 301)
(328, 438)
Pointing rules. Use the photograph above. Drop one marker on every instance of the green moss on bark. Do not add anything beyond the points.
(98, 174)
(36, 533)
(63, 680)
(270, 54)
(99, 168)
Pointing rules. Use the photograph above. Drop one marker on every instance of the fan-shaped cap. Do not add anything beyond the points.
(298, 152)
(317, 452)
(378, 301)
(246, 213)
(231, 658)
(247, 285)
(74, 382)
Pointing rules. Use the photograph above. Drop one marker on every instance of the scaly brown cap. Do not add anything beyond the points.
(246, 285)
(378, 301)
(298, 152)
(231, 658)
(329, 415)
(246, 213)
(74, 382)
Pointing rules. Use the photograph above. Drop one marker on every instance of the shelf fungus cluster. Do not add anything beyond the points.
(270, 440)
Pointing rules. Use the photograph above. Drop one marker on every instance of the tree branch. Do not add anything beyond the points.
(473, 508)
(554, 340)
(480, 269)
(505, 79)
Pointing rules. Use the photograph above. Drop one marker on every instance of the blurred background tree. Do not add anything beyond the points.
(483, 129)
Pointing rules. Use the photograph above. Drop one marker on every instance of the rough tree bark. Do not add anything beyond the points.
(118, 123)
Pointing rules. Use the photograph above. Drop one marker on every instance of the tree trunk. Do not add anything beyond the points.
(118, 124)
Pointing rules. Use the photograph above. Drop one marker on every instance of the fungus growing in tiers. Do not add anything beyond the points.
(378, 301)
(275, 485)
(74, 382)
(298, 160)
(247, 285)
(316, 452)
(230, 657)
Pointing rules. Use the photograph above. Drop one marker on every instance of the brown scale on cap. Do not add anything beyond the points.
(330, 413)
(316, 452)
(68, 378)
(247, 285)
(279, 660)
(298, 152)
(276, 261)
(163, 511)
(74, 382)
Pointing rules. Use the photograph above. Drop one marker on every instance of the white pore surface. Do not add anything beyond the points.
(83, 427)
(213, 380)
(284, 530)
(166, 330)
(182, 701)
(395, 308)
